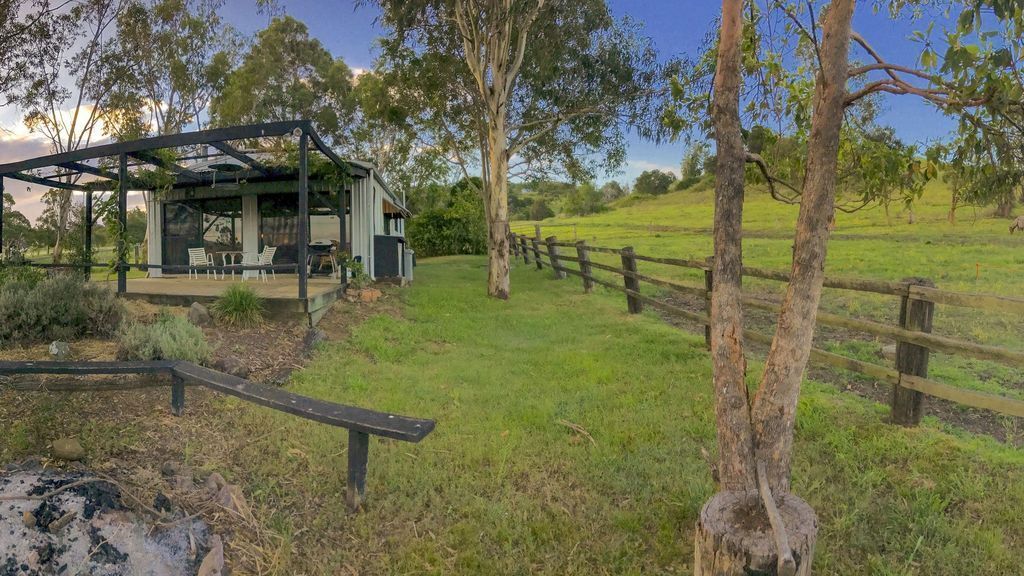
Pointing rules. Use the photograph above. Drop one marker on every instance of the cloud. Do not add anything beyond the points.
(644, 165)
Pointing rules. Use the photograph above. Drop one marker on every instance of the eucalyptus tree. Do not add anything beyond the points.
(20, 22)
(65, 89)
(287, 74)
(171, 57)
(756, 72)
(517, 88)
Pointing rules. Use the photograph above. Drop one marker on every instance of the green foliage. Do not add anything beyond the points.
(239, 305)
(287, 75)
(585, 199)
(459, 228)
(612, 190)
(653, 182)
(63, 307)
(20, 274)
(693, 166)
(169, 338)
(539, 209)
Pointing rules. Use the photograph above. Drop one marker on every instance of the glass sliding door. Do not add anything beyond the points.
(214, 225)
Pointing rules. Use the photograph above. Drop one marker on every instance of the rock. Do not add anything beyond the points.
(60, 523)
(199, 315)
(179, 476)
(213, 563)
(889, 351)
(214, 482)
(370, 295)
(231, 498)
(232, 365)
(162, 503)
(60, 350)
(29, 519)
(278, 377)
(68, 449)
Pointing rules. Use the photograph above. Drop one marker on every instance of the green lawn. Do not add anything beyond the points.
(502, 487)
(977, 254)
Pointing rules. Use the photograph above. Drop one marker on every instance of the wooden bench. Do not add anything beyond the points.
(360, 422)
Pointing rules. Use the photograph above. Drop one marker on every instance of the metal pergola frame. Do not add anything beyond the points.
(142, 153)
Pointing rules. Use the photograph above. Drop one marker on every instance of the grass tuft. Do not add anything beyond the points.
(239, 305)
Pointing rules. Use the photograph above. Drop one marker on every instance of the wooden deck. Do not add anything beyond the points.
(281, 295)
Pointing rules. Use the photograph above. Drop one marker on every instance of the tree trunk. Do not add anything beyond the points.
(496, 201)
(1005, 207)
(732, 412)
(774, 411)
(734, 536)
(953, 204)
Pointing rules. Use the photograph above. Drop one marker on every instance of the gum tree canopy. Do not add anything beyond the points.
(517, 88)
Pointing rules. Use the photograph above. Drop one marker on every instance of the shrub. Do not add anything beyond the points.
(59, 308)
(239, 305)
(458, 229)
(21, 274)
(169, 338)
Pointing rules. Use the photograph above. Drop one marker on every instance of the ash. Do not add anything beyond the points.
(87, 529)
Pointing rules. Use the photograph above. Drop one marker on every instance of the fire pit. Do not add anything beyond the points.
(68, 523)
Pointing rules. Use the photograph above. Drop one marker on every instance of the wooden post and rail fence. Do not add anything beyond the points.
(913, 337)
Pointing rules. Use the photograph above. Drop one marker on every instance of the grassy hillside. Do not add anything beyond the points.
(977, 254)
(506, 486)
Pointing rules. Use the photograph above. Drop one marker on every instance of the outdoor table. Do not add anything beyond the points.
(227, 258)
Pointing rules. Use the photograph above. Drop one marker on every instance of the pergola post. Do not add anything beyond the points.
(122, 222)
(88, 233)
(1, 215)
(342, 211)
(303, 233)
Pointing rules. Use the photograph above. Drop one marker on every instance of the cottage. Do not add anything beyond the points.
(291, 226)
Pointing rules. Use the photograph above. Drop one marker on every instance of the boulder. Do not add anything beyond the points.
(60, 350)
(370, 295)
(231, 365)
(231, 498)
(213, 562)
(68, 449)
(214, 482)
(199, 315)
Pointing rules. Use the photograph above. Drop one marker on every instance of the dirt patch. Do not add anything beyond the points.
(129, 436)
(344, 316)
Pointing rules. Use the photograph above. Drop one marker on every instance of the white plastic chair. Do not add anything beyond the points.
(198, 257)
(267, 259)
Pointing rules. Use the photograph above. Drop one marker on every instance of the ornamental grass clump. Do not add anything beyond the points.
(239, 305)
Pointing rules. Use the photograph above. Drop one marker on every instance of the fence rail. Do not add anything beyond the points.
(913, 337)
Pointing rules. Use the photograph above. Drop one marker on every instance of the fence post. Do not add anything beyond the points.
(556, 264)
(584, 255)
(536, 231)
(536, 253)
(709, 281)
(515, 245)
(629, 266)
(917, 315)
(525, 251)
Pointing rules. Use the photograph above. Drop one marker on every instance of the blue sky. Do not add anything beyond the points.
(676, 27)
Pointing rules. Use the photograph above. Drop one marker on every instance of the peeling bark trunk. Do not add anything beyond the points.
(496, 201)
(732, 412)
(774, 410)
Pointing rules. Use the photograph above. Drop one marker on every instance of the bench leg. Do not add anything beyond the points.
(358, 453)
(177, 395)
